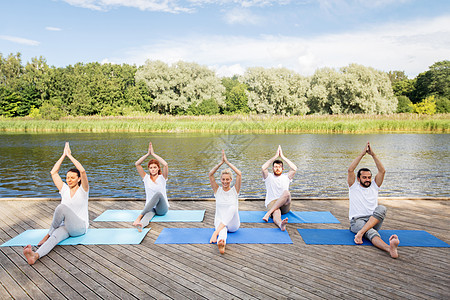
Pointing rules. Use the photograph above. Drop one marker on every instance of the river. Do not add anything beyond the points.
(417, 164)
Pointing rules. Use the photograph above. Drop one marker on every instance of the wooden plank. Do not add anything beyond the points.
(198, 271)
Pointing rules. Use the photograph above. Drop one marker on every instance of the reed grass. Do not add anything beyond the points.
(236, 124)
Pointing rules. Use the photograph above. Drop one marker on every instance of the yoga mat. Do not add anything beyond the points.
(408, 238)
(242, 236)
(94, 236)
(294, 217)
(114, 215)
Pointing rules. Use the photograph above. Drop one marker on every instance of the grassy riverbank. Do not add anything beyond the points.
(237, 123)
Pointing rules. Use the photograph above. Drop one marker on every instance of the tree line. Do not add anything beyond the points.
(38, 90)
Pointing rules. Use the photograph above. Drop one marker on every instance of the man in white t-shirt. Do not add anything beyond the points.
(278, 197)
(365, 215)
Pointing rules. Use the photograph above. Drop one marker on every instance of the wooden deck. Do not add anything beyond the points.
(296, 271)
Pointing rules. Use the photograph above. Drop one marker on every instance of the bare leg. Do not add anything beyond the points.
(391, 248)
(285, 199)
(370, 224)
(276, 216)
(221, 246)
(31, 256)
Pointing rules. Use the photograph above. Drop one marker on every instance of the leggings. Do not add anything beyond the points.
(73, 226)
(157, 205)
(230, 218)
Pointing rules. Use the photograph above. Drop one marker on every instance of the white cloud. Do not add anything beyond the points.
(19, 40)
(170, 6)
(242, 16)
(49, 28)
(411, 47)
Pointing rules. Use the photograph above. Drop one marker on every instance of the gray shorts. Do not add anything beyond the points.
(356, 224)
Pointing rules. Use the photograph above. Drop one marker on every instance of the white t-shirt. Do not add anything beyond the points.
(225, 201)
(151, 188)
(78, 203)
(275, 186)
(363, 201)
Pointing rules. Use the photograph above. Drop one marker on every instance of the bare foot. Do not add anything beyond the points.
(31, 256)
(138, 226)
(283, 224)
(137, 223)
(266, 217)
(213, 238)
(358, 238)
(221, 246)
(43, 240)
(393, 244)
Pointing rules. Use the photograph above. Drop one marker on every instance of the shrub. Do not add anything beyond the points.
(404, 105)
(427, 106)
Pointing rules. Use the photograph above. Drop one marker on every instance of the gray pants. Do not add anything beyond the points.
(356, 224)
(157, 205)
(73, 226)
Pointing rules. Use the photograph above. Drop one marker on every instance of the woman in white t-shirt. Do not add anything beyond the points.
(71, 217)
(227, 214)
(155, 188)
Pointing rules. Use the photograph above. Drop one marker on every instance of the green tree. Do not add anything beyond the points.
(176, 88)
(404, 105)
(236, 100)
(11, 103)
(442, 105)
(435, 81)
(355, 89)
(276, 91)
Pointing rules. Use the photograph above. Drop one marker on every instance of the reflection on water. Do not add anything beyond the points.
(416, 164)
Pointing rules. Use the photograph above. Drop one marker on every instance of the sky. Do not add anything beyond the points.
(230, 36)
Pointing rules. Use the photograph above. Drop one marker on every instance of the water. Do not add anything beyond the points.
(417, 164)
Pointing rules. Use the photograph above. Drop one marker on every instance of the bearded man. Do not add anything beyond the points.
(365, 215)
(278, 197)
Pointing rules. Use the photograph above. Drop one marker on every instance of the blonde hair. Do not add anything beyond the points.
(226, 171)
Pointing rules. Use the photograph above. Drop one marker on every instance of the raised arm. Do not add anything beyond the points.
(238, 183)
(351, 170)
(379, 178)
(77, 164)
(139, 162)
(165, 166)
(292, 166)
(267, 164)
(54, 172)
(211, 173)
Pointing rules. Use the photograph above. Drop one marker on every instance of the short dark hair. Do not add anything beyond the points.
(277, 161)
(363, 170)
(75, 170)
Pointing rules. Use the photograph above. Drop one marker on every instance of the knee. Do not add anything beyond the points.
(380, 212)
(287, 196)
(61, 208)
(371, 233)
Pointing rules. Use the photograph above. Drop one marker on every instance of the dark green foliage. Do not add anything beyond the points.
(43, 91)
(404, 105)
(206, 107)
(435, 81)
(442, 105)
(11, 103)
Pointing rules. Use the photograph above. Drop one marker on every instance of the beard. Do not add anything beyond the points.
(366, 184)
(277, 172)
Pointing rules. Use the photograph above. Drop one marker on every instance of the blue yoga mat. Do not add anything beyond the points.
(408, 238)
(114, 215)
(242, 236)
(94, 236)
(294, 217)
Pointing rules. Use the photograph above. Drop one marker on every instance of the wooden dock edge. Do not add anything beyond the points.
(212, 199)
